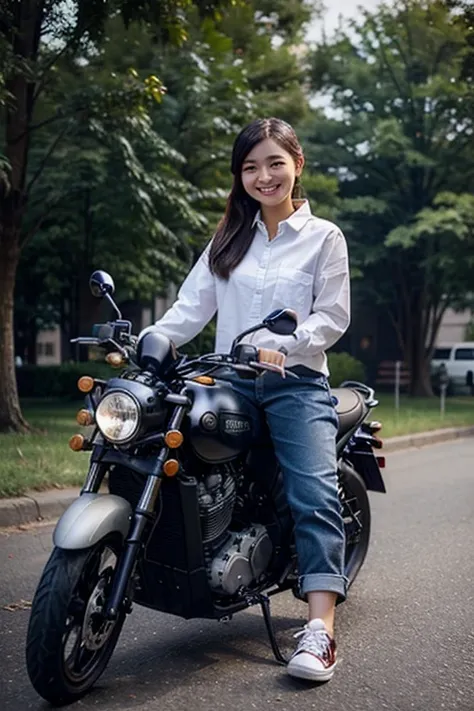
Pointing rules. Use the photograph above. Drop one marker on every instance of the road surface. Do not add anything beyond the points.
(405, 635)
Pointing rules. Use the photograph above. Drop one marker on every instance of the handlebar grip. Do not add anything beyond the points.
(271, 357)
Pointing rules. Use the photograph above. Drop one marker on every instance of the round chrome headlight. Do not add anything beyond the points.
(118, 417)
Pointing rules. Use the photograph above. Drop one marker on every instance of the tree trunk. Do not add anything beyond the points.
(421, 378)
(11, 419)
(415, 352)
(418, 361)
(26, 32)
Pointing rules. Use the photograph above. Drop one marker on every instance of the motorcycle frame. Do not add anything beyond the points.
(143, 518)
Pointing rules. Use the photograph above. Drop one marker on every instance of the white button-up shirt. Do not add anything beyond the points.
(304, 267)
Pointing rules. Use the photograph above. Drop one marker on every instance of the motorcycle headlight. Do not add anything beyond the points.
(118, 417)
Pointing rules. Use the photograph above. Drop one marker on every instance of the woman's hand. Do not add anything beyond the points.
(274, 360)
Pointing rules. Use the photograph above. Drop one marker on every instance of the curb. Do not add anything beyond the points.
(51, 504)
(421, 439)
(36, 506)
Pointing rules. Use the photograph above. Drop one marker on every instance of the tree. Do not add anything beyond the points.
(34, 36)
(400, 142)
(230, 72)
(207, 101)
(119, 204)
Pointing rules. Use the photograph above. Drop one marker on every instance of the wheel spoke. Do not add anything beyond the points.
(82, 660)
(70, 654)
(92, 632)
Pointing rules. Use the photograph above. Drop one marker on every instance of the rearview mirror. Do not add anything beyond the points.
(282, 321)
(101, 284)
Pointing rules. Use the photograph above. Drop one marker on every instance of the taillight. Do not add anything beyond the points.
(381, 462)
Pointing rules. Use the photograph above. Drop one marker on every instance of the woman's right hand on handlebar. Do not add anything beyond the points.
(273, 360)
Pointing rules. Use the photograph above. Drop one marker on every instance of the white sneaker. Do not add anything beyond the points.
(315, 655)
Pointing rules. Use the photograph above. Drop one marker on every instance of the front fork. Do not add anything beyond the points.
(143, 514)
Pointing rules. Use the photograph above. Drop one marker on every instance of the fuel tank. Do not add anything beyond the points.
(221, 423)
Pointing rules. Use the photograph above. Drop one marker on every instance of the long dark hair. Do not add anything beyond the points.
(234, 232)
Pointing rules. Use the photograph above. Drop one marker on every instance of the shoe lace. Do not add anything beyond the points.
(315, 641)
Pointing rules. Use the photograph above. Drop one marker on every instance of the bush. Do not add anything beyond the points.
(48, 381)
(343, 366)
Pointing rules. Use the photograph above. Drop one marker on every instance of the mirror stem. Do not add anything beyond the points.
(245, 333)
(115, 307)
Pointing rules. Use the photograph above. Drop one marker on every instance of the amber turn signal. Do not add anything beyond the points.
(375, 426)
(76, 442)
(174, 439)
(84, 418)
(85, 384)
(114, 359)
(204, 380)
(171, 467)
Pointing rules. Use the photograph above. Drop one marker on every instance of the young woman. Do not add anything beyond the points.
(270, 252)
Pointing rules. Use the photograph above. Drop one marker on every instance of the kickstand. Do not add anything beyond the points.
(267, 616)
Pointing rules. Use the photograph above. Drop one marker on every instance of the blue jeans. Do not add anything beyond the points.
(303, 426)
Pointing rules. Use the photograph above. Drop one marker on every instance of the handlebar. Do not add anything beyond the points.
(217, 360)
(109, 343)
(209, 362)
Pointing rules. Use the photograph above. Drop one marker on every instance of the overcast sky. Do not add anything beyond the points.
(346, 8)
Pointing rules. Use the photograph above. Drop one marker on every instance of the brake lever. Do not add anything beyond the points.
(121, 349)
(86, 341)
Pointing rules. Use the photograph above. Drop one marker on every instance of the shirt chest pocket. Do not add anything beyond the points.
(294, 289)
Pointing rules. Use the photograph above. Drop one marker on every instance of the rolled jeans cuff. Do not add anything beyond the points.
(324, 582)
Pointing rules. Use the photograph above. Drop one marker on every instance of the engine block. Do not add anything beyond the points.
(216, 496)
(242, 560)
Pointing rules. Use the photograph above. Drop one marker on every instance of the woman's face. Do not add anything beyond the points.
(269, 172)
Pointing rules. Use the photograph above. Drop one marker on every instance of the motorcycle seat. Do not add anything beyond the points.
(350, 407)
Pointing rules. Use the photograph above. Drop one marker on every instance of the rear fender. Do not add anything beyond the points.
(365, 463)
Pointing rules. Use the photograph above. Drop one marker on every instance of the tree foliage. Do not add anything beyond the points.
(94, 157)
(400, 141)
(36, 35)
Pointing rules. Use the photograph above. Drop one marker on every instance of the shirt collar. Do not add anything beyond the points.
(296, 221)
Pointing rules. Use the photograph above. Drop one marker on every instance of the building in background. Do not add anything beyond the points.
(454, 327)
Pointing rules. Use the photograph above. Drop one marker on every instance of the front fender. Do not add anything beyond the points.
(90, 518)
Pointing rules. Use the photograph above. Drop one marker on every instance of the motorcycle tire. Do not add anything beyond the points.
(357, 519)
(72, 589)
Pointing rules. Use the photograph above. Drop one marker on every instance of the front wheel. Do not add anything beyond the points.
(356, 516)
(69, 643)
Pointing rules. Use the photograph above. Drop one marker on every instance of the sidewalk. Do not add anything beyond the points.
(49, 505)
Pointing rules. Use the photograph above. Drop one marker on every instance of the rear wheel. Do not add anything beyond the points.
(69, 642)
(356, 516)
(355, 511)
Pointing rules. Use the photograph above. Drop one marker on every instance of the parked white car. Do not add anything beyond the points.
(459, 361)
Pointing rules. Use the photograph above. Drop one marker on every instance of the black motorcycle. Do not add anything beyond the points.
(196, 522)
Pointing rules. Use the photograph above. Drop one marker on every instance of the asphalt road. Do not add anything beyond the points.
(405, 635)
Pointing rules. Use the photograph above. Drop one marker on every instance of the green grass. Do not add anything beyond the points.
(43, 460)
(422, 414)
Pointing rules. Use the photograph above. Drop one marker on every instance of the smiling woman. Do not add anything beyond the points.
(270, 252)
(267, 162)
(269, 175)
(264, 174)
